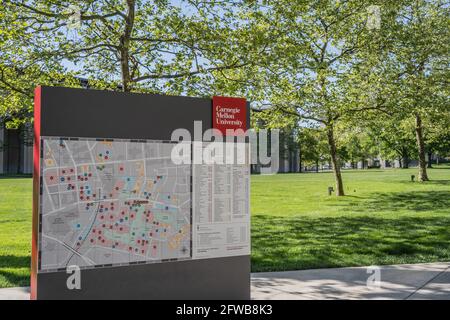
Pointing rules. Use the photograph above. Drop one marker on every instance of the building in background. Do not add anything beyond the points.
(16, 145)
(16, 150)
(288, 158)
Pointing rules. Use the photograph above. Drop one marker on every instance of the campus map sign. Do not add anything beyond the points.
(120, 211)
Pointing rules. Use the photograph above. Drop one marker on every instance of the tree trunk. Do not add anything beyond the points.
(335, 161)
(300, 161)
(404, 158)
(423, 176)
(429, 164)
(125, 47)
(405, 162)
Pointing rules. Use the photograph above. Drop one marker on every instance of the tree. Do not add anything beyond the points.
(21, 71)
(420, 38)
(314, 48)
(403, 72)
(135, 45)
(438, 136)
(135, 42)
(355, 143)
(313, 146)
(395, 138)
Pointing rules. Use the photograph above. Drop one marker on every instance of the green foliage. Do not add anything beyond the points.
(147, 46)
(394, 136)
(329, 68)
(355, 144)
(313, 146)
(302, 63)
(438, 134)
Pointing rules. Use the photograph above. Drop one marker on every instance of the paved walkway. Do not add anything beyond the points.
(414, 281)
(19, 293)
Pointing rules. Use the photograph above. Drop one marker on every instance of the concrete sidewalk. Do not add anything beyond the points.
(19, 293)
(413, 281)
(410, 281)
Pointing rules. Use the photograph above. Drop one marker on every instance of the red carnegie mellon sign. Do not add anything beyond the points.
(229, 113)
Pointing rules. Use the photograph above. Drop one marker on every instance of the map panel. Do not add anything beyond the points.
(112, 202)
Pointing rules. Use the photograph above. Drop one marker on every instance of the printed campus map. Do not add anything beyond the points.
(112, 202)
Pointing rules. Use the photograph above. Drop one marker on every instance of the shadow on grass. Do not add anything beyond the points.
(291, 243)
(431, 182)
(414, 201)
(8, 261)
(14, 176)
(14, 271)
(284, 243)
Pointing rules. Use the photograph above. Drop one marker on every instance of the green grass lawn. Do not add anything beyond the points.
(15, 231)
(384, 219)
